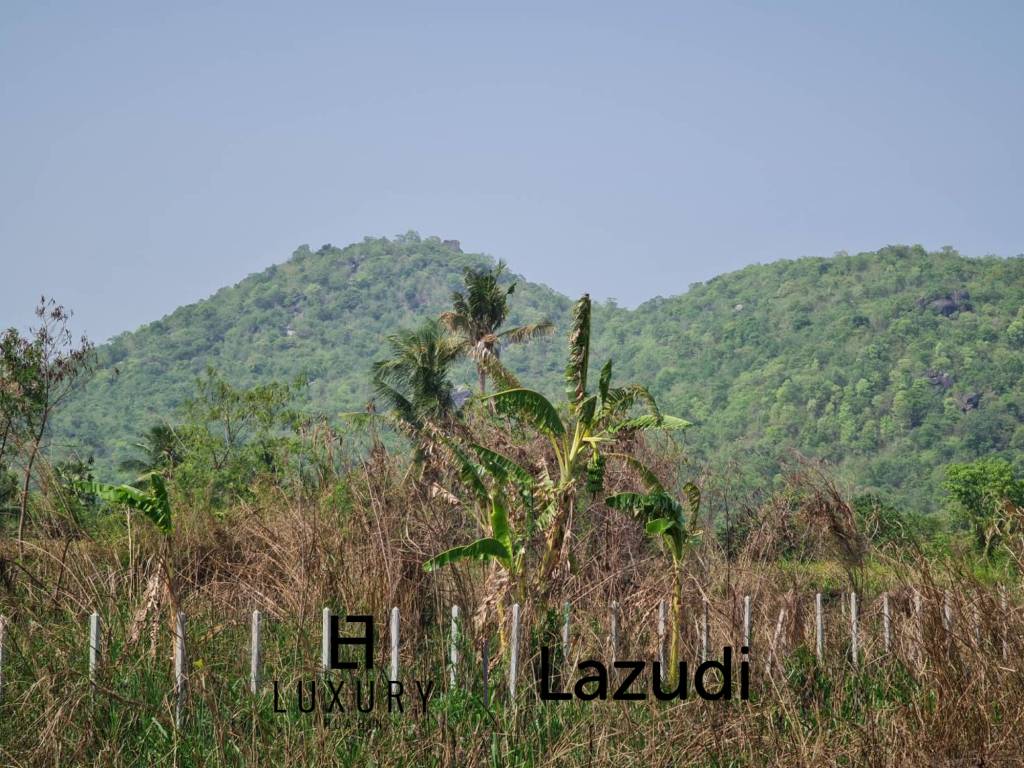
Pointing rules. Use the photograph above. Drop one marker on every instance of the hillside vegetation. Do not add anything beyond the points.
(889, 364)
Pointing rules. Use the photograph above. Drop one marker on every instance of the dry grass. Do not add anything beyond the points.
(948, 692)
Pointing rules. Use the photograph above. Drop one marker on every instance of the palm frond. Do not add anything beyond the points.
(524, 333)
(497, 370)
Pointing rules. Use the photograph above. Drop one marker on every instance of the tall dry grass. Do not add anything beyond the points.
(950, 691)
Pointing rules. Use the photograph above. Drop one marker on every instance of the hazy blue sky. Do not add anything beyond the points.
(153, 152)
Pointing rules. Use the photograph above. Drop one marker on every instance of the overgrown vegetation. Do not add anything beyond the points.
(245, 498)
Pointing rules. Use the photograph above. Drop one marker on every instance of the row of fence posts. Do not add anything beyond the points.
(256, 658)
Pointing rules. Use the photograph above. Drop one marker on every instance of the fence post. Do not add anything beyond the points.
(704, 631)
(3, 638)
(486, 665)
(325, 641)
(662, 623)
(947, 621)
(773, 652)
(886, 623)
(94, 645)
(615, 631)
(565, 632)
(394, 643)
(919, 622)
(976, 625)
(854, 644)
(255, 658)
(513, 660)
(1004, 623)
(819, 628)
(453, 654)
(746, 621)
(180, 670)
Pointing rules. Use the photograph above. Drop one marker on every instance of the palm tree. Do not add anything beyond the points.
(479, 313)
(414, 380)
(159, 448)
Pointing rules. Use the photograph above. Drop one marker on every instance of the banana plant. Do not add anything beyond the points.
(496, 482)
(489, 478)
(155, 505)
(589, 420)
(664, 518)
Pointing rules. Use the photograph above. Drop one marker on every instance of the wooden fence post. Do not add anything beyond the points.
(513, 659)
(255, 656)
(854, 636)
(819, 628)
(453, 654)
(180, 670)
(886, 623)
(325, 641)
(394, 643)
(94, 645)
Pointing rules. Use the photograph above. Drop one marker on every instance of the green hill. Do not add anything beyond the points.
(888, 364)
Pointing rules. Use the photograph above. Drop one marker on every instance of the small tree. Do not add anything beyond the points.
(37, 373)
(981, 491)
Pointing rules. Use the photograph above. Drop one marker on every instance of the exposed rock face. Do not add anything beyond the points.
(938, 379)
(967, 402)
(950, 304)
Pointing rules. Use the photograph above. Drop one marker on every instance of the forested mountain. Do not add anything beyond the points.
(888, 364)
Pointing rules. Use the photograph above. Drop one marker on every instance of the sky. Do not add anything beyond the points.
(151, 153)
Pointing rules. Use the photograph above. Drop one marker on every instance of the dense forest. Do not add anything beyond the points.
(890, 365)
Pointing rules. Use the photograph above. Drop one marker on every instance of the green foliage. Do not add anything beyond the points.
(414, 381)
(664, 517)
(981, 491)
(478, 314)
(8, 490)
(158, 448)
(766, 359)
(154, 503)
(1015, 330)
(489, 479)
(227, 438)
(884, 523)
(591, 420)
